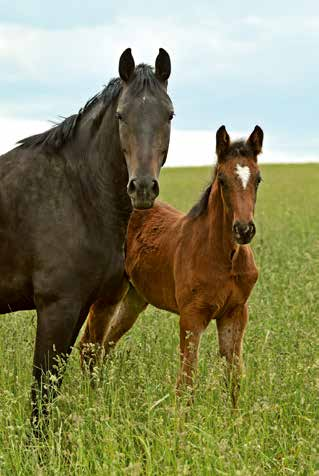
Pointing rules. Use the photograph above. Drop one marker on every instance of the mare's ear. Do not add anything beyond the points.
(126, 65)
(163, 65)
(255, 140)
(222, 143)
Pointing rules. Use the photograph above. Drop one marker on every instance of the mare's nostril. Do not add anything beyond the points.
(131, 186)
(155, 187)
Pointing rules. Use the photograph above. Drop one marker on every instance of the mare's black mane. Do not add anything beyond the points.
(59, 134)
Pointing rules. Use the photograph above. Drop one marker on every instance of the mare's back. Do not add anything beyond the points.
(30, 180)
(37, 209)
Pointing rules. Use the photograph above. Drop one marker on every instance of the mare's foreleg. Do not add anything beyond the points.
(58, 325)
(231, 329)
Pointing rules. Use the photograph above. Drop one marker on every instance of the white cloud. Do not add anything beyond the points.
(12, 130)
(244, 46)
(197, 48)
(194, 148)
(187, 147)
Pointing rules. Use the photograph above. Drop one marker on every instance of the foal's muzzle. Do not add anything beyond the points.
(244, 232)
(143, 191)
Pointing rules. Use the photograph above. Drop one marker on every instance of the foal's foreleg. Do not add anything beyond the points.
(231, 329)
(192, 326)
(124, 318)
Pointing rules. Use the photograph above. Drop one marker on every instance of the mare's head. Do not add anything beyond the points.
(238, 177)
(144, 113)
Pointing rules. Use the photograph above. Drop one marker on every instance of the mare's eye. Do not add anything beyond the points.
(258, 180)
(119, 116)
(171, 115)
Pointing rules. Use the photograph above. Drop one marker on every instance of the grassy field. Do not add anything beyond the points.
(131, 424)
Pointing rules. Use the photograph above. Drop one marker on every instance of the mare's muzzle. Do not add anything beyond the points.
(143, 191)
(244, 232)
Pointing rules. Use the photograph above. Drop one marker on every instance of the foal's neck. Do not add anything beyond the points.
(219, 222)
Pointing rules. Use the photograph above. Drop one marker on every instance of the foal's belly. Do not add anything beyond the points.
(154, 281)
(156, 291)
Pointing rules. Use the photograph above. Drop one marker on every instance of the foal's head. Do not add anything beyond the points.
(238, 177)
(144, 112)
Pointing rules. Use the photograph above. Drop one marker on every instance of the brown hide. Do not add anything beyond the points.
(198, 265)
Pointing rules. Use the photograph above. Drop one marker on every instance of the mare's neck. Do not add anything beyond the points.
(101, 168)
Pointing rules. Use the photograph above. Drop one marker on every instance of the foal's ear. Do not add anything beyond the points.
(255, 140)
(126, 65)
(222, 142)
(162, 65)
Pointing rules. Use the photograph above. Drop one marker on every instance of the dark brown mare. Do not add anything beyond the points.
(197, 265)
(65, 200)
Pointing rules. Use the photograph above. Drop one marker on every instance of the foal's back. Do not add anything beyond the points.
(153, 237)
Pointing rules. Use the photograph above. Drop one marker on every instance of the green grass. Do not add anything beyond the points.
(131, 424)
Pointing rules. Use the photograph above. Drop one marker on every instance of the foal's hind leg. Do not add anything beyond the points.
(91, 345)
(231, 328)
(125, 316)
(106, 325)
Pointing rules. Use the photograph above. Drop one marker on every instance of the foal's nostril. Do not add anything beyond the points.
(252, 228)
(236, 227)
(155, 187)
(245, 231)
(131, 188)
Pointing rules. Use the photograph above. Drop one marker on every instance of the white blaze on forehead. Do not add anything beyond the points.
(243, 173)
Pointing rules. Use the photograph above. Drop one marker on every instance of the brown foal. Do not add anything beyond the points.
(198, 265)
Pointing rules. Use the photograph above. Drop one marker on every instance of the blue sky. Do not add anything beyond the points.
(233, 63)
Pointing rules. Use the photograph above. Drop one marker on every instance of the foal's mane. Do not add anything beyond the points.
(60, 133)
(238, 148)
(200, 207)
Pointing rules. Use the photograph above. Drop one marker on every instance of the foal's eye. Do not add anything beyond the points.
(171, 115)
(258, 180)
(221, 180)
(119, 116)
